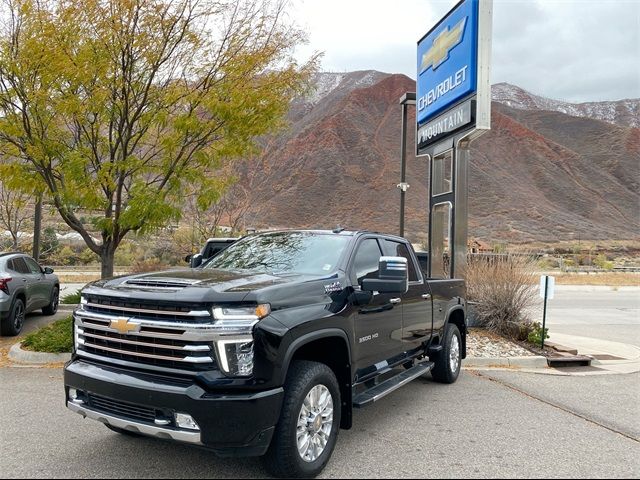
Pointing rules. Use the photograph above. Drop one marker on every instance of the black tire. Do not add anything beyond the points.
(122, 431)
(443, 371)
(52, 308)
(12, 325)
(283, 460)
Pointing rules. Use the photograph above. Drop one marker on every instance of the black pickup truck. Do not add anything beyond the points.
(267, 348)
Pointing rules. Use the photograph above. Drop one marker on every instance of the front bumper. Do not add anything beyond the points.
(230, 424)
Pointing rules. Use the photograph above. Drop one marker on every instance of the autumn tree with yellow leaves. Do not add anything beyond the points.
(123, 107)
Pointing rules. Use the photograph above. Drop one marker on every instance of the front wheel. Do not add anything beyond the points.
(447, 364)
(309, 422)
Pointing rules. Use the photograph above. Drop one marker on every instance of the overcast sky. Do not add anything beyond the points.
(572, 50)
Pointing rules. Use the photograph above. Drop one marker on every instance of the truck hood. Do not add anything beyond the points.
(203, 285)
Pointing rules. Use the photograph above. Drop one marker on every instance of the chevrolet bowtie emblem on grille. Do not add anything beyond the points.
(124, 326)
(442, 45)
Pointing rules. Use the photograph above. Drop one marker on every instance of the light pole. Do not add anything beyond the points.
(407, 99)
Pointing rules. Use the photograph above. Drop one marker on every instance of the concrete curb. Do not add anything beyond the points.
(67, 307)
(19, 355)
(502, 362)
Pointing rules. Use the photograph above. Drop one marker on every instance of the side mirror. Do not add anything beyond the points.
(47, 270)
(195, 260)
(188, 258)
(393, 276)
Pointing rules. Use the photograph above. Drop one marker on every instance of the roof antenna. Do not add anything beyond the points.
(338, 229)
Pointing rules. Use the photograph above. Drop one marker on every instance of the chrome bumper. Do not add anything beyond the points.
(131, 426)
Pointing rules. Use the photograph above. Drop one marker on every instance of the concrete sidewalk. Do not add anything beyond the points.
(608, 357)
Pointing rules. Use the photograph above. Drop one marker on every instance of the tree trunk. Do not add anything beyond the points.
(107, 258)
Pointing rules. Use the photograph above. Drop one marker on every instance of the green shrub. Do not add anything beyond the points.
(535, 336)
(71, 298)
(54, 338)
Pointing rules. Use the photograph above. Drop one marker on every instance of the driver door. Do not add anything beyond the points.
(378, 323)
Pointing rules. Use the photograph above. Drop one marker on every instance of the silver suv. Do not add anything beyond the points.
(24, 287)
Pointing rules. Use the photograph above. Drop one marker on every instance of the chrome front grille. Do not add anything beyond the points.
(153, 310)
(134, 339)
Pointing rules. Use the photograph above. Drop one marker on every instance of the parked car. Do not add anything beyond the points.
(212, 248)
(25, 286)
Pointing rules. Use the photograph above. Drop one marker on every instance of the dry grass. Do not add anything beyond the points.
(608, 279)
(504, 289)
(81, 278)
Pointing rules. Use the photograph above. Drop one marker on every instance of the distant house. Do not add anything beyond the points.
(478, 246)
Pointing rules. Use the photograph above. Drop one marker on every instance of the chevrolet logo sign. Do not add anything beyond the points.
(124, 326)
(442, 45)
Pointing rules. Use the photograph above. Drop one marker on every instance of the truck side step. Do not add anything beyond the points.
(385, 388)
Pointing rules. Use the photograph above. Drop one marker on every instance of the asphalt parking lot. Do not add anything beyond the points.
(489, 424)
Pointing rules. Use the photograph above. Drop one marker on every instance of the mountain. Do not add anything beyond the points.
(539, 174)
(625, 113)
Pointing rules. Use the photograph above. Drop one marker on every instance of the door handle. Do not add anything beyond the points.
(395, 300)
(426, 296)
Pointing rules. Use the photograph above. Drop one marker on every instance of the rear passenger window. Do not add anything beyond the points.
(367, 259)
(20, 266)
(397, 249)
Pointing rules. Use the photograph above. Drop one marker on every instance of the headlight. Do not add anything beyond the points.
(236, 352)
(77, 331)
(239, 317)
(236, 357)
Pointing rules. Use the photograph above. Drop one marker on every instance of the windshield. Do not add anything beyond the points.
(283, 252)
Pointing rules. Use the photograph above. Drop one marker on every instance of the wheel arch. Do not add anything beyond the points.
(314, 347)
(457, 317)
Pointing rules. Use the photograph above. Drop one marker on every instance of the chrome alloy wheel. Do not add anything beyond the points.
(56, 300)
(18, 320)
(454, 354)
(314, 423)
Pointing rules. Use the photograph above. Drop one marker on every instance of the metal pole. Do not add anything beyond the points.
(37, 223)
(403, 166)
(544, 310)
(460, 234)
(408, 98)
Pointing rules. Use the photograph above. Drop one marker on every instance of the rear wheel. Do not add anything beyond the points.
(12, 325)
(447, 364)
(309, 422)
(52, 308)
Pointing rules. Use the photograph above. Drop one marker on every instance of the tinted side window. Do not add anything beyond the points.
(33, 266)
(397, 249)
(20, 266)
(365, 264)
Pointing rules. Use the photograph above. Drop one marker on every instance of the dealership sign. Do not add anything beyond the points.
(453, 69)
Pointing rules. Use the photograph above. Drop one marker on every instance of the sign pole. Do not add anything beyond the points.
(407, 99)
(544, 309)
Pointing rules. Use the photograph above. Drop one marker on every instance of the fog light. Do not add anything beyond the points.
(186, 421)
(75, 397)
